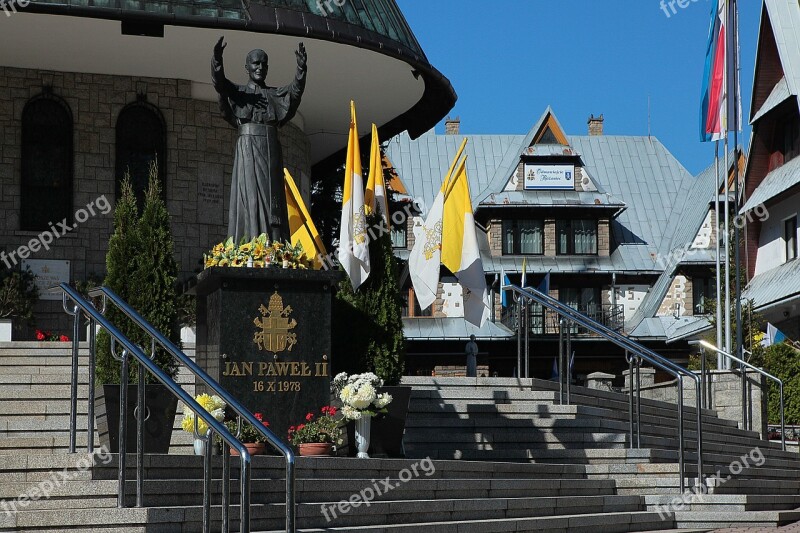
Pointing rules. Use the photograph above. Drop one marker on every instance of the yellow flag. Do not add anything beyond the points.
(353, 239)
(375, 195)
(460, 251)
(301, 227)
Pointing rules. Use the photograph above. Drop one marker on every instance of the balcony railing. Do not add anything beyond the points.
(544, 321)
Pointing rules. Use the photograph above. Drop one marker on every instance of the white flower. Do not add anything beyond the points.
(218, 414)
(350, 413)
(364, 397)
(383, 400)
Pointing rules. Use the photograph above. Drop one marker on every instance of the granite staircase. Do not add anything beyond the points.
(510, 459)
(750, 481)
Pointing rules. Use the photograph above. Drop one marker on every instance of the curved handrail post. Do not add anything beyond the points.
(129, 349)
(622, 341)
(233, 403)
(743, 363)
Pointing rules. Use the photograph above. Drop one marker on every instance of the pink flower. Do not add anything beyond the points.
(309, 417)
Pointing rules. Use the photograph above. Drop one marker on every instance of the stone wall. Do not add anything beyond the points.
(200, 147)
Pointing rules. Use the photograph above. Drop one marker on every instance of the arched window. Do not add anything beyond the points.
(46, 163)
(141, 140)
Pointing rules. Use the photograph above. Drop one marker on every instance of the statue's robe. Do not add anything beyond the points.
(258, 200)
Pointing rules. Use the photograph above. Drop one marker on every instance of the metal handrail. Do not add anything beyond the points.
(131, 349)
(232, 402)
(705, 344)
(639, 351)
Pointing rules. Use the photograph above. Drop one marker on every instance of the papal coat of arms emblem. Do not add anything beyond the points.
(274, 333)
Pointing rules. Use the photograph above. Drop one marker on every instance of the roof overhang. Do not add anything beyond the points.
(392, 85)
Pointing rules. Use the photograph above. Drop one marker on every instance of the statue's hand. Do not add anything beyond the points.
(302, 56)
(219, 48)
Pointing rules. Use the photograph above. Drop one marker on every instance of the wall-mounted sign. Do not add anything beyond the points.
(539, 177)
(48, 274)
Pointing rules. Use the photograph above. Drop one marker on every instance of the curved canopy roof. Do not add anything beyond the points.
(362, 50)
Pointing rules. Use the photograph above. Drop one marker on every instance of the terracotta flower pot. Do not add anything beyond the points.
(253, 448)
(316, 449)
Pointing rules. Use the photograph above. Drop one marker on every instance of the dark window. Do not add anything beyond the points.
(548, 137)
(576, 237)
(790, 238)
(141, 140)
(46, 163)
(703, 290)
(417, 312)
(399, 235)
(791, 139)
(523, 237)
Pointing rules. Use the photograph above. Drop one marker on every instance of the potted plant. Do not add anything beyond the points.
(214, 405)
(361, 401)
(252, 439)
(318, 434)
(141, 269)
(49, 336)
(18, 293)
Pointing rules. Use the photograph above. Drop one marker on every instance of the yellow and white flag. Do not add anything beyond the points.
(301, 227)
(375, 197)
(460, 253)
(353, 240)
(425, 259)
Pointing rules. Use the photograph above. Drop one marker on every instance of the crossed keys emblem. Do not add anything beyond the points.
(274, 326)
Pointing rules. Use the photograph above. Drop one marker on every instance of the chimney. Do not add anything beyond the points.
(452, 126)
(596, 126)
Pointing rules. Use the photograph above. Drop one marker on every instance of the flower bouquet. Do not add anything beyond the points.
(252, 439)
(213, 404)
(319, 433)
(257, 253)
(359, 395)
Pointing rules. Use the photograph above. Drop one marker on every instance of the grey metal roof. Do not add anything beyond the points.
(423, 163)
(685, 224)
(452, 329)
(780, 93)
(775, 285)
(671, 328)
(784, 18)
(552, 199)
(778, 181)
(638, 172)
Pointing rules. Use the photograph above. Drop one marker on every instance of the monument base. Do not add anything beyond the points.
(265, 335)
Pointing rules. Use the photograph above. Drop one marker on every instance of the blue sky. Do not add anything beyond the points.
(509, 59)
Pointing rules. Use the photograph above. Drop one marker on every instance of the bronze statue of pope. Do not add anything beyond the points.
(258, 201)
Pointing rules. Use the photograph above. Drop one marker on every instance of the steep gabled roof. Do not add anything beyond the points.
(782, 17)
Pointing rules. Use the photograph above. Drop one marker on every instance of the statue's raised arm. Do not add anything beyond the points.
(222, 85)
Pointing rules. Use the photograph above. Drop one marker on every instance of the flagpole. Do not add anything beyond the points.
(719, 268)
(726, 288)
(737, 288)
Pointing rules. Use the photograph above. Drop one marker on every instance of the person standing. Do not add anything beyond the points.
(472, 357)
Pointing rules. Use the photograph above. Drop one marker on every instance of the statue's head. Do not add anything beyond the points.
(257, 66)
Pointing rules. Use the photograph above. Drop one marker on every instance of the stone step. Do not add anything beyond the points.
(725, 502)
(734, 519)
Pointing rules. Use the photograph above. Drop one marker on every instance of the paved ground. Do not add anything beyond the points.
(791, 528)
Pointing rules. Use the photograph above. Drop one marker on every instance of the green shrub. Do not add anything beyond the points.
(367, 325)
(18, 293)
(142, 271)
(783, 362)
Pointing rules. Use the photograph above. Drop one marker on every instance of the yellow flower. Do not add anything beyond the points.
(246, 248)
(238, 262)
(276, 246)
(224, 262)
(218, 249)
(258, 264)
(258, 251)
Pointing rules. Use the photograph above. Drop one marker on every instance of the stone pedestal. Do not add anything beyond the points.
(600, 381)
(265, 335)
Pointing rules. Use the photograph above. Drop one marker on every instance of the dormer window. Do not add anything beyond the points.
(576, 237)
(523, 237)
